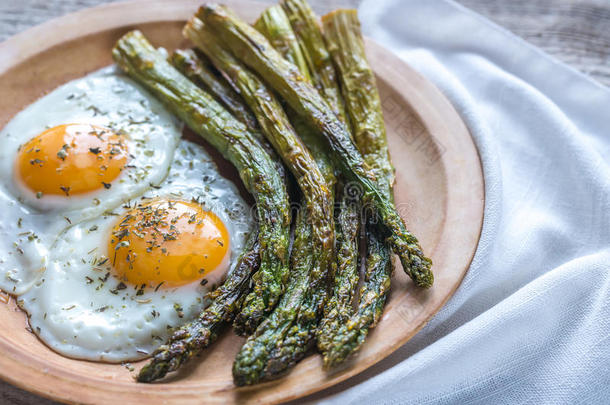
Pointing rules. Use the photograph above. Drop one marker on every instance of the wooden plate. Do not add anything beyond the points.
(439, 191)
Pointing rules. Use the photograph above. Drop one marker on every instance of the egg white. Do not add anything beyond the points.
(76, 307)
(107, 98)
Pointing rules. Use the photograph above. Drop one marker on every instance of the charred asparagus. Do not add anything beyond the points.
(295, 155)
(300, 336)
(256, 52)
(274, 24)
(363, 105)
(338, 308)
(251, 361)
(351, 335)
(305, 25)
(200, 71)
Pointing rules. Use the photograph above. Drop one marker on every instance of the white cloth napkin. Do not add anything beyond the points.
(531, 321)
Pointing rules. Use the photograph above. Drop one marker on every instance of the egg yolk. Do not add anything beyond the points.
(167, 241)
(71, 159)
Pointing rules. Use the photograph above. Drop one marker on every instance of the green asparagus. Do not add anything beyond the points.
(301, 336)
(351, 335)
(338, 309)
(296, 156)
(305, 25)
(359, 89)
(274, 24)
(256, 52)
(251, 360)
(200, 71)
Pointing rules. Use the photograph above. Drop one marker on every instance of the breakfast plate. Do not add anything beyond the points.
(438, 192)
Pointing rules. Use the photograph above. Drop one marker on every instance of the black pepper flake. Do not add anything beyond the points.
(106, 185)
(65, 190)
(203, 281)
(121, 286)
(179, 310)
(95, 151)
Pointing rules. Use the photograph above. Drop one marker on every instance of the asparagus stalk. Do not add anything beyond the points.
(342, 31)
(201, 72)
(195, 336)
(134, 54)
(338, 309)
(305, 25)
(274, 24)
(296, 156)
(363, 105)
(251, 360)
(351, 335)
(256, 52)
(300, 337)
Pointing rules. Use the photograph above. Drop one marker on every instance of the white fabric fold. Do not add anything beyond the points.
(530, 323)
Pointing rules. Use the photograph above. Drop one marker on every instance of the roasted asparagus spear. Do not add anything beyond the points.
(363, 106)
(300, 337)
(251, 360)
(338, 309)
(195, 336)
(351, 335)
(345, 43)
(296, 156)
(305, 25)
(134, 54)
(256, 52)
(201, 72)
(274, 24)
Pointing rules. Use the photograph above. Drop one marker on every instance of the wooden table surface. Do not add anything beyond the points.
(575, 31)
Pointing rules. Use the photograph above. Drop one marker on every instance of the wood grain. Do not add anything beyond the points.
(575, 31)
(431, 149)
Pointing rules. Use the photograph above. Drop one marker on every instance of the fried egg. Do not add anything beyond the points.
(75, 153)
(117, 284)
